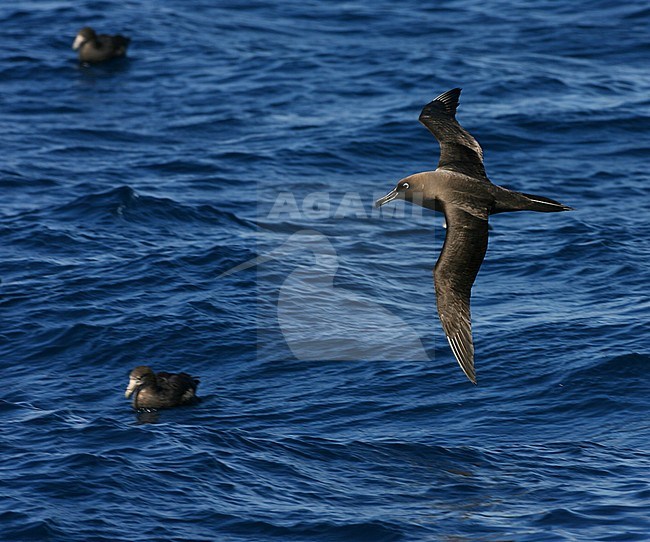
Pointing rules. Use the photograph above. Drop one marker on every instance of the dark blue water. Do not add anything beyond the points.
(332, 406)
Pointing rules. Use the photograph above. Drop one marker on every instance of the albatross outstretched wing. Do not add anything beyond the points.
(459, 151)
(454, 274)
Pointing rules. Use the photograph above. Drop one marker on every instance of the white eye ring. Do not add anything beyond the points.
(406, 186)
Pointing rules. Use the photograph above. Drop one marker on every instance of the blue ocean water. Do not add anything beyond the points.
(332, 407)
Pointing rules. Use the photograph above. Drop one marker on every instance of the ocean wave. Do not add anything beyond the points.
(137, 228)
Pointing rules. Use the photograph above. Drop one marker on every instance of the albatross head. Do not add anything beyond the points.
(84, 35)
(410, 188)
(139, 376)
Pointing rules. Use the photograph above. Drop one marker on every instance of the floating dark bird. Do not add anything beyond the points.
(97, 48)
(461, 190)
(162, 390)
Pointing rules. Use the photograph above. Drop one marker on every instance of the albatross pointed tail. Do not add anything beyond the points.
(544, 205)
(509, 200)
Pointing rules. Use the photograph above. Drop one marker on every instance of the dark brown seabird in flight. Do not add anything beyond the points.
(461, 190)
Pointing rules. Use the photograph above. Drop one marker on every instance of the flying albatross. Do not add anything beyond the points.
(461, 190)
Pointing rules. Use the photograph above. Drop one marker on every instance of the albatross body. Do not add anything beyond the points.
(460, 189)
(93, 48)
(162, 390)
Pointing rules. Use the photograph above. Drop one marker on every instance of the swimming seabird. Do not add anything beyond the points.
(162, 390)
(97, 48)
(461, 190)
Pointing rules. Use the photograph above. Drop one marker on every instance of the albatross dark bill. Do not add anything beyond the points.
(460, 188)
(388, 197)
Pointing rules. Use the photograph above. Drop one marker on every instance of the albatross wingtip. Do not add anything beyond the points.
(454, 92)
(445, 104)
